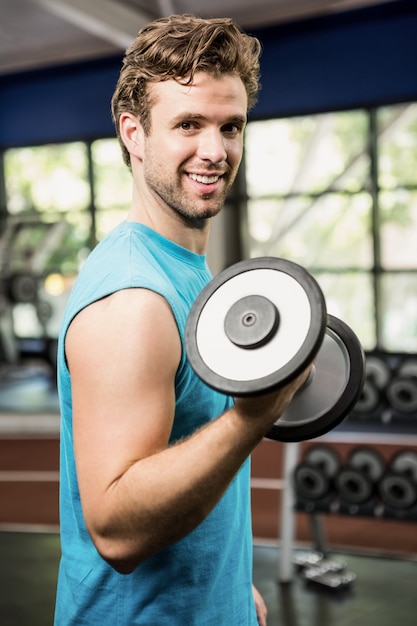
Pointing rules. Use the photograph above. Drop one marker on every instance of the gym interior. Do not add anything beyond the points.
(329, 182)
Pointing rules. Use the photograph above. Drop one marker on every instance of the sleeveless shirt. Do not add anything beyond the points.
(204, 579)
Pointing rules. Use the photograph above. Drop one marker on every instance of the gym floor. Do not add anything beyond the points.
(383, 593)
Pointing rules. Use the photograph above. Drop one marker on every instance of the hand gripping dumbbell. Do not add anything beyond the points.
(398, 486)
(257, 325)
(356, 482)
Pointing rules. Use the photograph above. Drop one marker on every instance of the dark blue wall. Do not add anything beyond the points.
(59, 104)
(349, 60)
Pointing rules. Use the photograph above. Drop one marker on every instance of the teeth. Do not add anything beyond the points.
(204, 179)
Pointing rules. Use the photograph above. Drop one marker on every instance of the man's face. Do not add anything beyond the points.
(192, 154)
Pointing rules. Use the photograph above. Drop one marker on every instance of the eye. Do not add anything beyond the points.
(232, 129)
(187, 126)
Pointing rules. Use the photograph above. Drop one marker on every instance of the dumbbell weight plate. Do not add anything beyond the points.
(332, 390)
(368, 400)
(324, 458)
(368, 461)
(353, 485)
(402, 390)
(277, 314)
(409, 369)
(402, 395)
(397, 490)
(377, 371)
(257, 325)
(377, 376)
(405, 462)
(310, 482)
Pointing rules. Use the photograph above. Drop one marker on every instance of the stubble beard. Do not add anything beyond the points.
(194, 212)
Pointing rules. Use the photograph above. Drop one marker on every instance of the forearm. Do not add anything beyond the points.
(161, 498)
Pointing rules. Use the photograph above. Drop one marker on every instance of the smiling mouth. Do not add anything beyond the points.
(206, 180)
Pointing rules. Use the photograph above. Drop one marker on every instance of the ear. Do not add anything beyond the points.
(131, 132)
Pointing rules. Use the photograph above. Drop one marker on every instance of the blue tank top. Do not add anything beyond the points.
(206, 578)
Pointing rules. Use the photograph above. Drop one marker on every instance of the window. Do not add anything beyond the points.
(397, 182)
(112, 185)
(337, 193)
(49, 184)
(60, 199)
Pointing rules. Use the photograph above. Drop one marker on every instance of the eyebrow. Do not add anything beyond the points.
(189, 115)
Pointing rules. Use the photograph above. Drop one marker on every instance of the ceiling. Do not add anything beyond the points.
(41, 33)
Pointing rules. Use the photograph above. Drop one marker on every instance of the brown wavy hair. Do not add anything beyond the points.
(177, 47)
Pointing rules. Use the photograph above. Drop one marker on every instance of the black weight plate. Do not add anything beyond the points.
(369, 399)
(324, 458)
(353, 486)
(377, 371)
(397, 490)
(408, 369)
(339, 373)
(405, 462)
(368, 461)
(402, 394)
(310, 483)
(285, 347)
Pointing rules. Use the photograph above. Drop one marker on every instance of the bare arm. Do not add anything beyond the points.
(139, 494)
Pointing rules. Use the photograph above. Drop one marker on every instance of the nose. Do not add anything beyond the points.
(211, 146)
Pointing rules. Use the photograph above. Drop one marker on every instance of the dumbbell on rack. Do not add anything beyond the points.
(314, 475)
(372, 399)
(356, 482)
(402, 388)
(398, 486)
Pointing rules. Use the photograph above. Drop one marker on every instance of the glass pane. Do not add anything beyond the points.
(47, 179)
(397, 147)
(399, 312)
(113, 180)
(107, 220)
(398, 230)
(331, 231)
(41, 247)
(68, 258)
(307, 154)
(350, 298)
(21, 246)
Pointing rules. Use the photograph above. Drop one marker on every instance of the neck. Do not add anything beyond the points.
(188, 233)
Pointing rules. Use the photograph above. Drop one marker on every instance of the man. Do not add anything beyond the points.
(155, 510)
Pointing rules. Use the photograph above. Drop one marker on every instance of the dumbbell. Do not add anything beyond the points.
(398, 486)
(402, 389)
(356, 482)
(313, 476)
(257, 325)
(377, 375)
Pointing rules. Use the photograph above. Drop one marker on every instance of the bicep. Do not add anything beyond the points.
(123, 353)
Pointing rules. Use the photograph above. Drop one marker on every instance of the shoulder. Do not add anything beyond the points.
(130, 320)
(126, 308)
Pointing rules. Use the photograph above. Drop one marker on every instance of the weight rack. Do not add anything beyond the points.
(331, 504)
